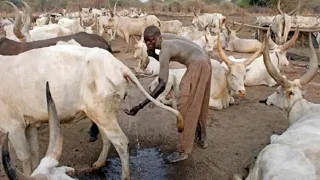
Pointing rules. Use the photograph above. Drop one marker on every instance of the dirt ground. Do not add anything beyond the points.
(235, 135)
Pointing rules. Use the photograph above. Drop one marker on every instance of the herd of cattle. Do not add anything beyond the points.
(88, 81)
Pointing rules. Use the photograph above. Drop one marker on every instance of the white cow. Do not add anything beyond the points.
(257, 73)
(47, 169)
(173, 26)
(22, 34)
(147, 65)
(241, 45)
(295, 153)
(215, 21)
(191, 32)
(76, 25)
(84, 82)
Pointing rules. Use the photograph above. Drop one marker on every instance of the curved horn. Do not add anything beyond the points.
(254, 56)
(296, 9)
(270, 67)
(222, 55)
(115, 8)
(55, 141)
(17, 22)
(239, 29)
(27, 24)
(48, 19)
(8, 167)
(205, 37)
(291, 42)
(279, 8)
(313, 65)
(81, 22)
(111, 12)
(228, 28)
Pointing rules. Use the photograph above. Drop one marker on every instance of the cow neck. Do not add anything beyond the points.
(291, 121)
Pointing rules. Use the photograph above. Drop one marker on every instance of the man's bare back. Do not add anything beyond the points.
(173, 48)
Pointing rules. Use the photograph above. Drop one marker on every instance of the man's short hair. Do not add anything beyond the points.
(152, 31)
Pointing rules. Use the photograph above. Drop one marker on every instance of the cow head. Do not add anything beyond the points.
(141, 55)
(233, 33)
(281, 24)
(87, 29)
(236, 73)
(289, 93)
(279, 51)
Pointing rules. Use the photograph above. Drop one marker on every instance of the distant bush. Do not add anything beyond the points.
(175, 6)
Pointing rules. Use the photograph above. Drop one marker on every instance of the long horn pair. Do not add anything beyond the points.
(17, 22)
(290, 13)
(113, 13)
(282, 80)
(54, 148)
(225, 58)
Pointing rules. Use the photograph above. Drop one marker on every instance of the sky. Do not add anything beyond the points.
(143, 1)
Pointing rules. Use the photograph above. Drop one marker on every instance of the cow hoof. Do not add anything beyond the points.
(98, 164)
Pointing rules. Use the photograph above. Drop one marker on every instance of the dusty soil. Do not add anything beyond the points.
(235, 135)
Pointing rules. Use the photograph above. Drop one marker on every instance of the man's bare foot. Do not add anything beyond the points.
(176, 157)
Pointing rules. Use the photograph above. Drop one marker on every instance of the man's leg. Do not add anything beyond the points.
(203, 119)
(190, 106)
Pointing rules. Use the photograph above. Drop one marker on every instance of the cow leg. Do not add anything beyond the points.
(19, 142)
(104, 114)
(111, 130)
(105, 149)
(32, 136)
(127, 38)
(120, 142)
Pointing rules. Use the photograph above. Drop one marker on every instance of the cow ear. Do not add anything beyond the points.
(289, 93)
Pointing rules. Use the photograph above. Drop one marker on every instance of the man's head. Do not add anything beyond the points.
(152, 37)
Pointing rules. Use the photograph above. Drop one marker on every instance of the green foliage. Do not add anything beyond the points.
(243, 3)
(248, 3)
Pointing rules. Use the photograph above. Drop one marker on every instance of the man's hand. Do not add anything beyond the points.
(132, 111)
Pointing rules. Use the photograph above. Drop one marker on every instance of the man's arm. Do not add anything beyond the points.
(163, 78)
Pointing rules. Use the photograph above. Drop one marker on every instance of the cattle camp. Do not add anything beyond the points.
(160, 89)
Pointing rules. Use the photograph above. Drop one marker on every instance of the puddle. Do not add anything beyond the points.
(145, 164)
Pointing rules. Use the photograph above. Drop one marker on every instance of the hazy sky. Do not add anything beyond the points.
(143, 1)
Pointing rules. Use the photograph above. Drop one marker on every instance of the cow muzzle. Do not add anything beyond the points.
(241, 93)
